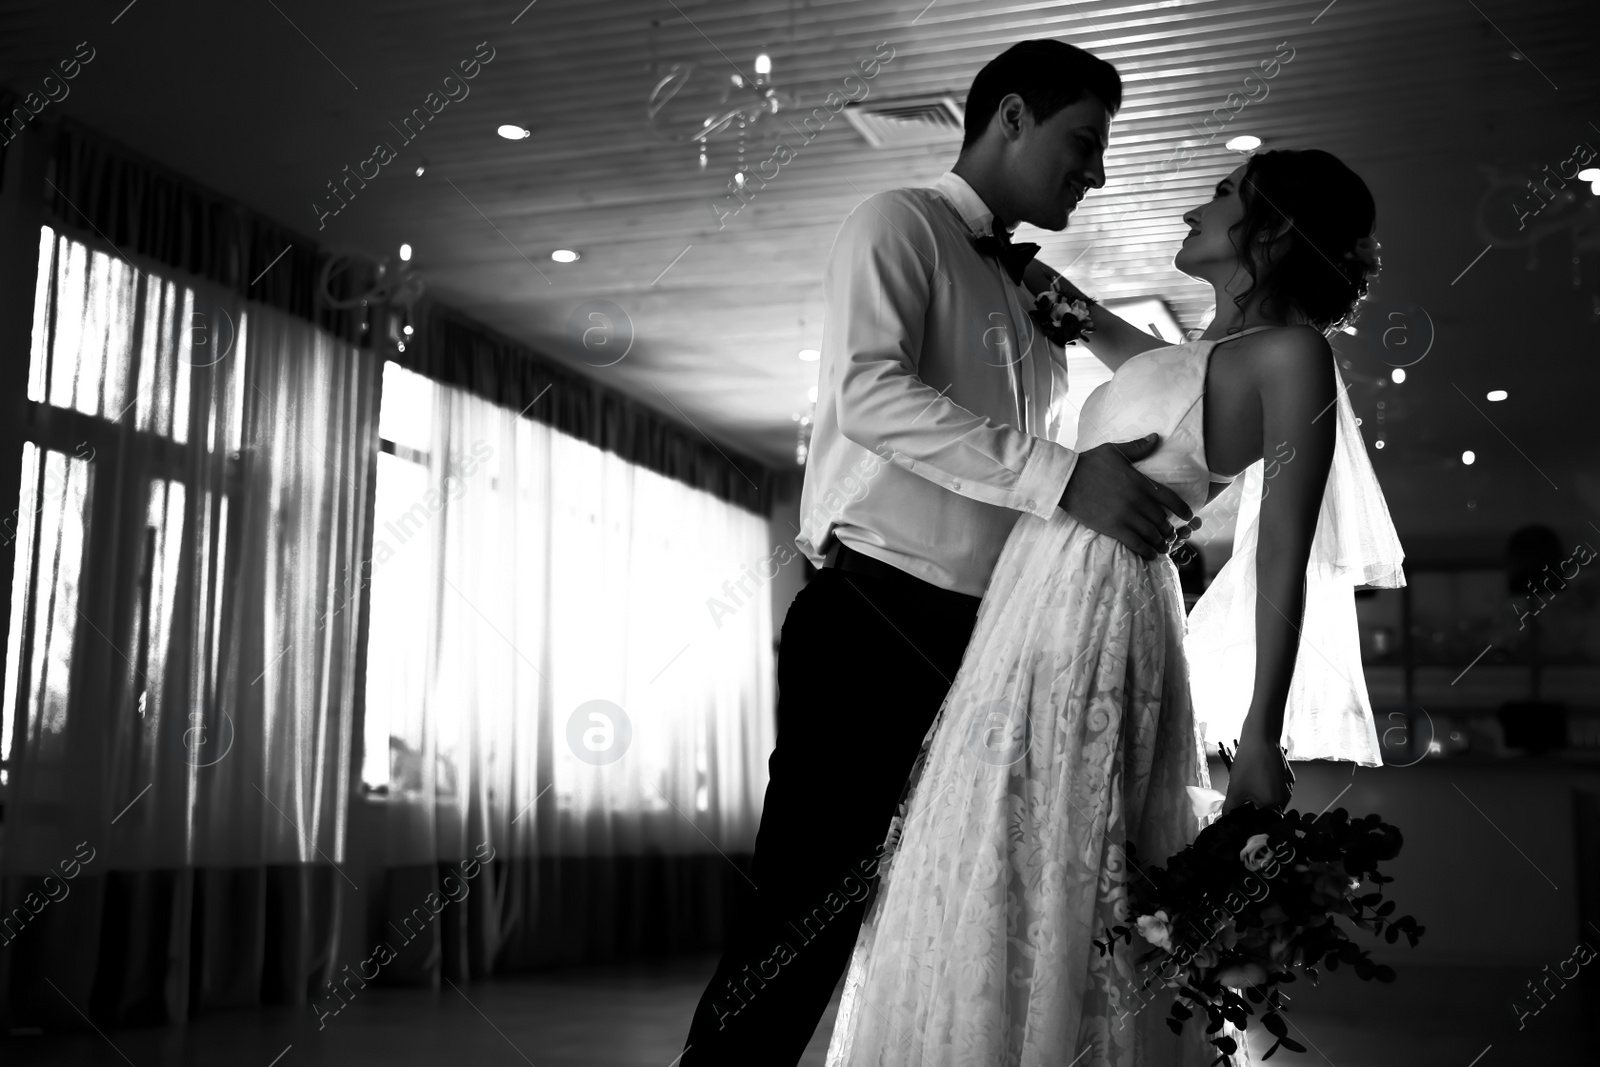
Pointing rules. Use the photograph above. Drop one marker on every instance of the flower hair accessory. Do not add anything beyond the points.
(1061, 317)
(1368, 252)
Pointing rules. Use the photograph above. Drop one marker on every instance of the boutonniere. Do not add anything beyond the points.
(1063, 319)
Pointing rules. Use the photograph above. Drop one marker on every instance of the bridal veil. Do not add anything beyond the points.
(1328, 715)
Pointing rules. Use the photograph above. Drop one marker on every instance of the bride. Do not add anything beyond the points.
(1071, 727)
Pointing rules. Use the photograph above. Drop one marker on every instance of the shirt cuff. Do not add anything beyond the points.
(1044, 478)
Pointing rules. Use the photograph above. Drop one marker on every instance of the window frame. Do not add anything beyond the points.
(110, 516)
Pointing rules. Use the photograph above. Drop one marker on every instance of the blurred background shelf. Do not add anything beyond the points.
(1488, 659)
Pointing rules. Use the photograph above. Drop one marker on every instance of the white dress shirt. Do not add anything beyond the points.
(937, 399)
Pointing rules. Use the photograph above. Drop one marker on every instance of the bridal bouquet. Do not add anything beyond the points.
(1254, 901)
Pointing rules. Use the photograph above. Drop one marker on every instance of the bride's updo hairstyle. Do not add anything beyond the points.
(1331, 257)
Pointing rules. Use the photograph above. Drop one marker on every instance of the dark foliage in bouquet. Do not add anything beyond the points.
(1254, 900)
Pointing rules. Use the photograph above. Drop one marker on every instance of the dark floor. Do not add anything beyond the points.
(636, 1017)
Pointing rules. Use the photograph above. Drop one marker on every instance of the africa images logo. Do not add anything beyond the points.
(207, 746)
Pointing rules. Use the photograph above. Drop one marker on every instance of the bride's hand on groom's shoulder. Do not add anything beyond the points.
(1109, 496)
(1259, 775)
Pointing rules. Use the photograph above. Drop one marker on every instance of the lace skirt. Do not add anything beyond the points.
(1068, 730)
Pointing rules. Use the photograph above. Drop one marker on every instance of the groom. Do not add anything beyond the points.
(928, 355)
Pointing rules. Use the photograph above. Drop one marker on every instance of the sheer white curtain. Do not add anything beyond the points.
(544, 672)
(181, 672)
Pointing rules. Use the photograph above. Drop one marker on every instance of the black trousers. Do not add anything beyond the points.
(864, 663)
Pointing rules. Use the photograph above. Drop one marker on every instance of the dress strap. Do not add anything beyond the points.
(1245, 333)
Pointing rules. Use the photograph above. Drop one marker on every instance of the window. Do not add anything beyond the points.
(396, 634)
(524, 582)
(128, 374)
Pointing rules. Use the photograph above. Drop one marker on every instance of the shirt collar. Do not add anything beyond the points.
(965, 199)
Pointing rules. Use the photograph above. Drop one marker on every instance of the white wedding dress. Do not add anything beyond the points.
(1068, 730)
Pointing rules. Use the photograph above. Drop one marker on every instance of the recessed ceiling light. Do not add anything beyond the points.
(1245, 142)
(1378, 443)
(1592, 176)
(1469, 457)
(564, 255)
(810, 355)
(405, 253)
(1497, 395)
(1398, 375)
(513, 132)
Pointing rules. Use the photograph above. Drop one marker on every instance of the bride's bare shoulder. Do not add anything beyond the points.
(1286, 344)
(1290, 359)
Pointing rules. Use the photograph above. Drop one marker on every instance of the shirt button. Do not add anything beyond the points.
(956, 485)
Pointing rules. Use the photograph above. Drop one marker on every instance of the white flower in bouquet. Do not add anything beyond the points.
(1204, 802)
(1257, 852)
(1156, 929)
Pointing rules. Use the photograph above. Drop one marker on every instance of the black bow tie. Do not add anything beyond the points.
(1014, 258)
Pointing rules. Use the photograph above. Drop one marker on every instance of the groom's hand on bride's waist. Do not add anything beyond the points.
(1109, 496)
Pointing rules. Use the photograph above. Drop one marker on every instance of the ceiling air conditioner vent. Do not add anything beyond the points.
(906, 121)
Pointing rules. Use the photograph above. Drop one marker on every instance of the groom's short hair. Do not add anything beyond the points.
(1049, 75)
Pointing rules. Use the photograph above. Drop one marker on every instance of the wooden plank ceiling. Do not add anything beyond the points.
(268, 101)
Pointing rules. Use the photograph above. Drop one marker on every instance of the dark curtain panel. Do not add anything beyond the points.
(551, 911)
(167, 944)
(149, 213)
